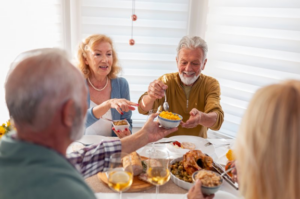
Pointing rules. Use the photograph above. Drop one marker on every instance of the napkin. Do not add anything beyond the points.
(221, 150)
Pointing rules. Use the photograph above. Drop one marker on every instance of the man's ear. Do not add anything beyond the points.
(68, 113)
(204, 64)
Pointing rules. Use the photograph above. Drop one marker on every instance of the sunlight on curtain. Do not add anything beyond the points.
(26, 25)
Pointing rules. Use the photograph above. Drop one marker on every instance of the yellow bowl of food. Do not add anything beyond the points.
(210, 181)
(169, 120)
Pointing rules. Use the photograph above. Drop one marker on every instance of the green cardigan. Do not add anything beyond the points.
(204, 96)
(30, 171)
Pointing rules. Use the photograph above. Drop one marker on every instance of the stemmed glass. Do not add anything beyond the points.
(158, 168)
(120, 174)
(151, 149)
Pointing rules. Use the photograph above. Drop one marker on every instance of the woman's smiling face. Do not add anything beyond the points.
(100, 59)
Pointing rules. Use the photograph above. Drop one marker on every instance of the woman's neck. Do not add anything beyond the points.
(98, 82)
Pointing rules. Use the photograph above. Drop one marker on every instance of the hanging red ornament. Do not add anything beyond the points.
(134, 17)
(131, 42)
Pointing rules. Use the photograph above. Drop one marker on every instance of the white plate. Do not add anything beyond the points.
(175, 152)
(88, 139)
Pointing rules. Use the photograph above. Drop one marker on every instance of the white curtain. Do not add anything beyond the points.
(27, 25)
(252, 43)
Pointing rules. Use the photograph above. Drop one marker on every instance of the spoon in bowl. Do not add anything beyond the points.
(165, 104)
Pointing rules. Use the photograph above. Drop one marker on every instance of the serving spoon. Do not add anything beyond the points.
(166, 104)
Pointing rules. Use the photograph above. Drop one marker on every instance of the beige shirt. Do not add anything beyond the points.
(204, 96)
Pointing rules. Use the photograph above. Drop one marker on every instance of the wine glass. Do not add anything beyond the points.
(120, 174)
(152, 148)
(158, 168)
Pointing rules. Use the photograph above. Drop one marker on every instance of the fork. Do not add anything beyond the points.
(209, 143)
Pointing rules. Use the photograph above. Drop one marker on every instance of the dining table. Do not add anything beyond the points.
(216, 148)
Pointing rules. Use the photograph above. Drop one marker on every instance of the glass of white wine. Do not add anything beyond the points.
(158, 168)
(120, 174)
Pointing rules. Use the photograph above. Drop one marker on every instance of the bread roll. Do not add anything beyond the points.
(136, 163)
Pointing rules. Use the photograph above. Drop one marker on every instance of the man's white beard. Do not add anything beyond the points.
(188, 80)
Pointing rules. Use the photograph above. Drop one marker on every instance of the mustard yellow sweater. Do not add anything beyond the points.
(204, 96)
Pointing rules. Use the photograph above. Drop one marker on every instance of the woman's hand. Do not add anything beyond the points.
(122, 105)
(121, 134)
(196, 193)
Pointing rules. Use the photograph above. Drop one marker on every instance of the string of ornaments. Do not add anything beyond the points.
(133, 18)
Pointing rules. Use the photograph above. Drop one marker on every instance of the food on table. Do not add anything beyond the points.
(195, 160)
(135, 162)
(188, 145)
(229, 166)
(178, 170)
(176, 143)
(230, 155)
(119, 123)
(190, 163)
(208, 178)
(169, 115)
(184, 145)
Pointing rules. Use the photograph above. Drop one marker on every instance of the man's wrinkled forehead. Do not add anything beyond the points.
(190, 53)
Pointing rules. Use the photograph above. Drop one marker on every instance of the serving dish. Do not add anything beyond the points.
(120, 127)
(209, 190)
(167, 123)
(181, 183)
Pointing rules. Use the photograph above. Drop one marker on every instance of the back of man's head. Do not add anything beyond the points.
(39, 82)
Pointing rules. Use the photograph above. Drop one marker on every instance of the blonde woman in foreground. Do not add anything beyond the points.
(267, 145)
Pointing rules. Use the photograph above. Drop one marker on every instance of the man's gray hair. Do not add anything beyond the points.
(192, 43)
(38, 83)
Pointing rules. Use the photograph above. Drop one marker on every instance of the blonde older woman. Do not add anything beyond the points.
(108, 96)
(267, 145)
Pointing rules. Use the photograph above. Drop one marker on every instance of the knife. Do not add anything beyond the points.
(163, 142)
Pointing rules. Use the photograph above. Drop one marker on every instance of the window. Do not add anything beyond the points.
(251, 44)
(27, 25)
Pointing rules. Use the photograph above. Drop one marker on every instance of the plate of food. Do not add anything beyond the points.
(182, 168)
(182, 144)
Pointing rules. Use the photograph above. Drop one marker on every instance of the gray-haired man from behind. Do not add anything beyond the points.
(46, 98)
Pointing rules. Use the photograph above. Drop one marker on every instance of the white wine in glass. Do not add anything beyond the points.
(158, 168)
(120, 175)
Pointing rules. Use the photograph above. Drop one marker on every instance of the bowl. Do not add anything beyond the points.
(205, 189)
(181, 183)
(168, 124)
(120, 126)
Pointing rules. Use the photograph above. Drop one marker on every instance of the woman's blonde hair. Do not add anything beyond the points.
(88, 44)
(268, 144)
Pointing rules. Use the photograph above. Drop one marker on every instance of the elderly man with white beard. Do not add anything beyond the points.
(194, 96)
(46, 98)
